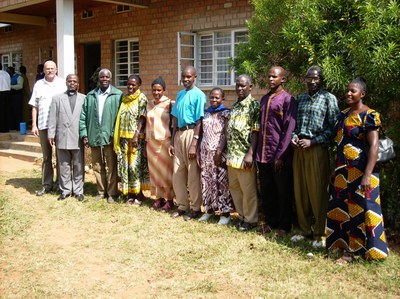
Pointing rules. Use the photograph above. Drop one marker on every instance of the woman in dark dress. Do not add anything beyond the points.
(355, 222)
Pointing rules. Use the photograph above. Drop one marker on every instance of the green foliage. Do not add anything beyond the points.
(347, 38)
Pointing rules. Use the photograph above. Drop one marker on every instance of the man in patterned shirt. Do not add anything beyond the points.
(42, 94)
(243, 127)
(316, 116)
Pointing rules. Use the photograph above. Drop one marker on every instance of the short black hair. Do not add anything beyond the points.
(159, 81)
(136, 77)
(360, 81)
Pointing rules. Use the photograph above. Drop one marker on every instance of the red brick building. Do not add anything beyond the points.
(148, 37)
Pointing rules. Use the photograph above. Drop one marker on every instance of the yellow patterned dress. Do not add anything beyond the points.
(355, 221)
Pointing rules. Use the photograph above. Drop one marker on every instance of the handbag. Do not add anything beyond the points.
(385, 146)
(385, 149)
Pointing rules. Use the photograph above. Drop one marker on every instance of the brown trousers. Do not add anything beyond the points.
(243, 187)
(104, 162)
(311, 179)
(186, 173)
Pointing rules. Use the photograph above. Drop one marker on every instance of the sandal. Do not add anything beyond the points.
(158, 203)
(346, 258)
(169, 205)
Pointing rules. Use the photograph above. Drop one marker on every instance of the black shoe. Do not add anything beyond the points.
(191, 215)
(245, 226)
(79, 197)
(43, 192)
(63, 196)
(177, 213)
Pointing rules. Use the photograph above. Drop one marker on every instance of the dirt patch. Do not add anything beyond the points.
(9, 164)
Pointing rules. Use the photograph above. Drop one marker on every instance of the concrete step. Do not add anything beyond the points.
(15, 135)
(32, 147)
(21, 155)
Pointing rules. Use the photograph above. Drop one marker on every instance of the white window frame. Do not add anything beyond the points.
(197, 52)
(183, 61)
(11, 59)
(128, 63)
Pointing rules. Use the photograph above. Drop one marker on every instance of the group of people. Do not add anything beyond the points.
(14, 95)
(190, 155)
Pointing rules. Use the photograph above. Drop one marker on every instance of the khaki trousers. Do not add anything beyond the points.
(186, 173)
(104, 162)
(243, 187)
(311, 179)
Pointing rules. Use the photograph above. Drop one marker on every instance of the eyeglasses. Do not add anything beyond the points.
(312, 79)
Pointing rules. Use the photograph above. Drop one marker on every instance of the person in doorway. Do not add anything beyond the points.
(26, 95)
(42, 94)
(274, 153)
(15, 112)
(39, 72)
(63, 132)
(316, 116)
(187, 114)
(96, 129)
(243, 128)
(5, 87)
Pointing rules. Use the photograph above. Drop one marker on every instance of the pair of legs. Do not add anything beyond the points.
(104, 162)
(47, 164)
(276, 195)
(242, 184)
(71, 163)
(186, 173)
(311, 177)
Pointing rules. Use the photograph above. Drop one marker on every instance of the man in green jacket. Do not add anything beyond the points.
(96, 128)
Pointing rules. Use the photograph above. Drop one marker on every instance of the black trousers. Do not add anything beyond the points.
(277, 197)
(4, 111)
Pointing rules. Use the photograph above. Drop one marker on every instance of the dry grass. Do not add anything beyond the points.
(93, 250)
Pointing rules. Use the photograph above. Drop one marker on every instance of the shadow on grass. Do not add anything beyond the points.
(29, 184)
(33, 184)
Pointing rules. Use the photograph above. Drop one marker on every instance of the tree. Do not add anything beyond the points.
(347, 38)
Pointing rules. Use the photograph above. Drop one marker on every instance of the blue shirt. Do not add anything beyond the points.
(189, 106)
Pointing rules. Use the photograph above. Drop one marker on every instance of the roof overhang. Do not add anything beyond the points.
(36, 12)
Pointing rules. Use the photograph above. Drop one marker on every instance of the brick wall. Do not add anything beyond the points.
(155, 27)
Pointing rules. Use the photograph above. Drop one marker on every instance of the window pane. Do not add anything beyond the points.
(126, 59)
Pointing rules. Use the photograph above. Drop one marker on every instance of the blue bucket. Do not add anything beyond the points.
(22, 128)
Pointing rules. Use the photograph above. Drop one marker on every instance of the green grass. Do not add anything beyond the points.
(94, 250)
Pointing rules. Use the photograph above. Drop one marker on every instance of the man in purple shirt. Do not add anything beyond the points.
(274, 153)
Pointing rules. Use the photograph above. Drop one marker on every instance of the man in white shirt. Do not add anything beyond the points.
(5, 86)
(42, 94)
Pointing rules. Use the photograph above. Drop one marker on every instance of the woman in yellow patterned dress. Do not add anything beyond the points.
(355, 222)
(129, 142)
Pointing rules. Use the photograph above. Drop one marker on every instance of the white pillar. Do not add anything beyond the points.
(65, 38)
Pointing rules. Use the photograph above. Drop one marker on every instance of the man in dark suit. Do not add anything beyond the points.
(63, 131)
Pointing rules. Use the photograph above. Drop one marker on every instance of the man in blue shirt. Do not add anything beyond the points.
(187, 114)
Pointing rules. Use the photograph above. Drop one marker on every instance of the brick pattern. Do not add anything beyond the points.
(156, 28)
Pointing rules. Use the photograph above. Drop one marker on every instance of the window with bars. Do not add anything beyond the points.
(210, 53)
(126, 60)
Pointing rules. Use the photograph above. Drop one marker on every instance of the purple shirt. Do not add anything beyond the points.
(277, 124)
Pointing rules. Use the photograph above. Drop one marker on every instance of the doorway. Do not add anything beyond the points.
(92, 61)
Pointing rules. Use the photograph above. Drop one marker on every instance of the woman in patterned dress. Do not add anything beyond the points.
(355, 222)
(158, 138)
(129, 142)
(214, 176)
